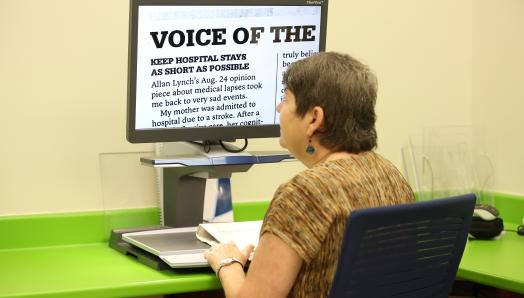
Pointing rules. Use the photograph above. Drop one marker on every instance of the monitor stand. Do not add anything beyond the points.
(186, 178)
(191, 181)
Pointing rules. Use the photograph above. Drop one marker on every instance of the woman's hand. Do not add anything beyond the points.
(271, 274)
(228, 250)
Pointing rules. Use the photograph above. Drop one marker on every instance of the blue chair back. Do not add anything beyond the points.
(410, 250)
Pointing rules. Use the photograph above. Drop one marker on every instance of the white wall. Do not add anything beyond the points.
(63, 77)
(421, 52)
(63, 93)
(498, 89)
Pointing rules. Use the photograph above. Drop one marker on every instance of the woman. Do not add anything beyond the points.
(327, 122)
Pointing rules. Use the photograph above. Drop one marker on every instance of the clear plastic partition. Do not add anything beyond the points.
(448, 162)
(128, 188)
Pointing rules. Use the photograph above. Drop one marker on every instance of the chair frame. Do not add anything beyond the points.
(408, 250)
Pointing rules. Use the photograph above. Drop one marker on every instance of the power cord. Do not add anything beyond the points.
(231, 150)
(208, 144)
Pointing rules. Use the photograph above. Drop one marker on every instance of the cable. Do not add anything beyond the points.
(208, 144)
(233, 150)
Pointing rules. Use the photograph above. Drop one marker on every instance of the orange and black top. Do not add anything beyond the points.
(310, 211)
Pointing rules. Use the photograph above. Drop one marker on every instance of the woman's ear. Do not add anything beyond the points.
(316, 120)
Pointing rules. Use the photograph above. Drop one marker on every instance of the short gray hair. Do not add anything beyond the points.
(346, 90)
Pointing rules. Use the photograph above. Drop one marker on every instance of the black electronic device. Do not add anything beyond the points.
(209, 71)
(212, 70)
(116, 242)
(486, 229)
(485, 211)
(520, 230)
(486, 223)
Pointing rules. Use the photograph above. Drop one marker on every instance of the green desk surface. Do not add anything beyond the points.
(67, 255)
(497, 263)
(90, 270)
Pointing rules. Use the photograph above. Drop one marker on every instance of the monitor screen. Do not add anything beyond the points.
(212, 70)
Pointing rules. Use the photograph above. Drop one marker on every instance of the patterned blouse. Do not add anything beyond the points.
(310, 211)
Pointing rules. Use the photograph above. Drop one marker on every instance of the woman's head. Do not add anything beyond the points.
(346, 90)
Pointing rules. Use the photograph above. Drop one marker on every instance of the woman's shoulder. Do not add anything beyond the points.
(362, 160)
(316, 178)
(353, 168)
(308, 180)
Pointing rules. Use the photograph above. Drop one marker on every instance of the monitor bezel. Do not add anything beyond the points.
(134, 135)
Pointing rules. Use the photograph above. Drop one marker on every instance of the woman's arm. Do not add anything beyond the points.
(272, 273)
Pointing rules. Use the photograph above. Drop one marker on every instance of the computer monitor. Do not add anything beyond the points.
(212, 69)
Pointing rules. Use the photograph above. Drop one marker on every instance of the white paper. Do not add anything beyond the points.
(243, 233)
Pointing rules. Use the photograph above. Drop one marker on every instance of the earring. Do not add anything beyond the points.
(310, 149)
